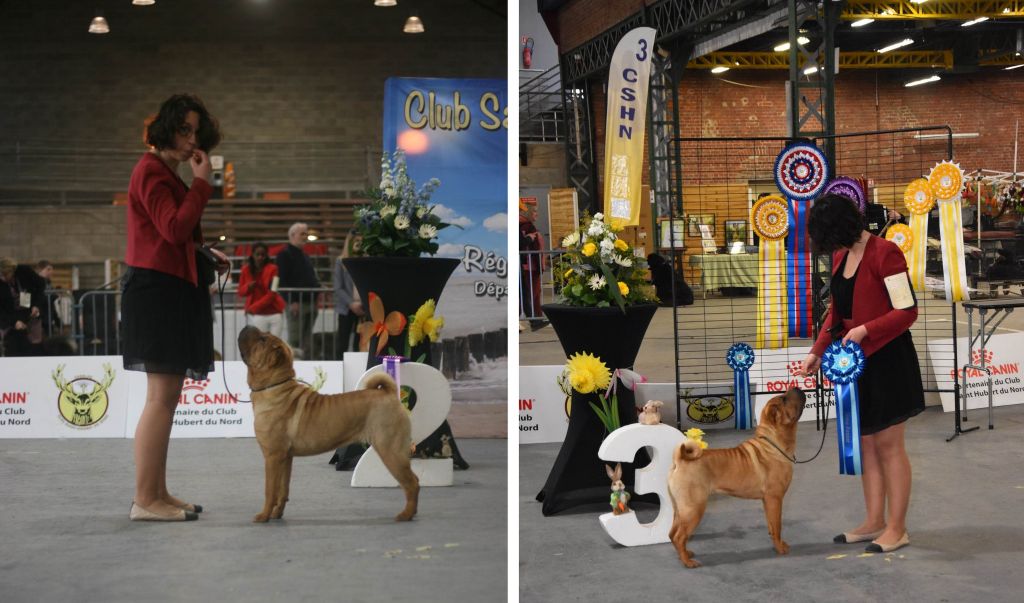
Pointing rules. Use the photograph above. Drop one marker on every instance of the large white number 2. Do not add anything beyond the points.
(433, 401)
(622, 445)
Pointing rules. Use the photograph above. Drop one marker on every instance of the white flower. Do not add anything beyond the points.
(401, 222)
(388, 210)
(607, 246)
(598, 217)
(428, 231)
(596, 229)
(389, 191)
(571, 240)
(625, 262)
(422, 210)
(597, 282)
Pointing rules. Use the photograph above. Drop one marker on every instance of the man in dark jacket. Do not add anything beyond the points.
(21, 296)
(295, 270)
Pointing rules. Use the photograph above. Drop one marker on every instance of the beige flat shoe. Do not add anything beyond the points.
(191, 507)
(849, 537)
(875, 547)
(140, 513)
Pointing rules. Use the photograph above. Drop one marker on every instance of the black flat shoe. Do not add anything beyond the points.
(850, 538)
(875, 547)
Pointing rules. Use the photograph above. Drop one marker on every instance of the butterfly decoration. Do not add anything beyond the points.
(380, 325)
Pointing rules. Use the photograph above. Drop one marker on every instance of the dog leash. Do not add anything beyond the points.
(223, 361)
(793, 459)
(272, 386)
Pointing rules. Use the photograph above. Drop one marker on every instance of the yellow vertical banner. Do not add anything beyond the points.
(769, 218)
(628, 79)
(919, 199)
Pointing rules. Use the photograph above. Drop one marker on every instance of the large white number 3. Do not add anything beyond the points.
(433, 401)
(622, 445)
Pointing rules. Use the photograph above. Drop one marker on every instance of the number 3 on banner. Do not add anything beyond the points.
(433, 401)
(622, 445)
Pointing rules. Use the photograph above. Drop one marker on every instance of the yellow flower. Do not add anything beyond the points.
(621, 245)
(693, 433)
(424, 324)
(587, 373)
(567, 273)
(623, 288)
(589, 249)
(703, 444)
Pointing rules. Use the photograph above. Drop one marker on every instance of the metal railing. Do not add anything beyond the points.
(541, 110)
(87, 323)
(536, 282)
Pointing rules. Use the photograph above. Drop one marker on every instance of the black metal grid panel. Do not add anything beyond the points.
(722, 177)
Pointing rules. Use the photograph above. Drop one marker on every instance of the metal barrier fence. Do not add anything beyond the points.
(536, 282)
(90, 320)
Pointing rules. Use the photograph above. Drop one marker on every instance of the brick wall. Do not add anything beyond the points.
(988, 103)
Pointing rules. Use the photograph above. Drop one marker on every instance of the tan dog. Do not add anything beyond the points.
(754, 469)
(293, 420)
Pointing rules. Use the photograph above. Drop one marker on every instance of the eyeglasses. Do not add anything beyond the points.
(185, 130)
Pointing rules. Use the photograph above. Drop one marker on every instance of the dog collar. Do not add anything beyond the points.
(788, 458)
(272, 386)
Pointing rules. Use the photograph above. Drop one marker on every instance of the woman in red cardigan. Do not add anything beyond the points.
(264, 308)
(167, 321)
(889, 389)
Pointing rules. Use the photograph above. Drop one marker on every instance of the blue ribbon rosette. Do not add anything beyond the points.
(842, 364)
(740, 358)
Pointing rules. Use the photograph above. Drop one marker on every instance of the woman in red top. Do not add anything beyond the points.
(889, 389)
(167, 321)
(264, 308)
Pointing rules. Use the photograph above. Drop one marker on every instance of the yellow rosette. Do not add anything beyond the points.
(919, 199)
(770, 220)
(901, 235)
(947, 180)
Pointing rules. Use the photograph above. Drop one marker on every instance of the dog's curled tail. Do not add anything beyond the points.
(382, 381)
(689, 450)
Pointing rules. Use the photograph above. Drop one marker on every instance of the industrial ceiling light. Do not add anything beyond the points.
(719, 69)
(900, 44)
(926, 80)
(918, 1)
(413, 25)
(785, 45)
(811, 69)
(861, 22)
(1013, 67)
(99, 25)
(973, 21)
(385, 2)
(143, 2)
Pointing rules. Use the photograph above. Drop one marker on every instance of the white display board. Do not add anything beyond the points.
(543, 415)
(1004, 357)
(775, 371)
(63, 397)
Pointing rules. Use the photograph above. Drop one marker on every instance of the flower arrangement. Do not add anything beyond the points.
(587, 374)
(599, 269)
(696, 435)
(1012, 197)
(399, 220)
(423, 326)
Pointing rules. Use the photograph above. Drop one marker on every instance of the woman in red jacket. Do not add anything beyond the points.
(889, 389)
(167, 321)
(264, 308)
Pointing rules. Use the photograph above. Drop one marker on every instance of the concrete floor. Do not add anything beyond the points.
(966, 524)
(966, 517)
(65, 534)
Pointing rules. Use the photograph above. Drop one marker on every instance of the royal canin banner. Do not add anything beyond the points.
(1003, 357)
(94, 397)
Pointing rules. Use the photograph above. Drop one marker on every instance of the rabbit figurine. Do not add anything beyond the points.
(620, 498)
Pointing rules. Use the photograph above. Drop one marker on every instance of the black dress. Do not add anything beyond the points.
(889, 389)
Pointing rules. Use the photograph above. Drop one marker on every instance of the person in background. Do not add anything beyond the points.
(21, 297)
(295, 270)
(166, 316)
(889, 390)
(346, 299)
(264, 308)
(531, 242)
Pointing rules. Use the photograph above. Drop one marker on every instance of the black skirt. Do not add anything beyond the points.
(167, 324)
(890, 389)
